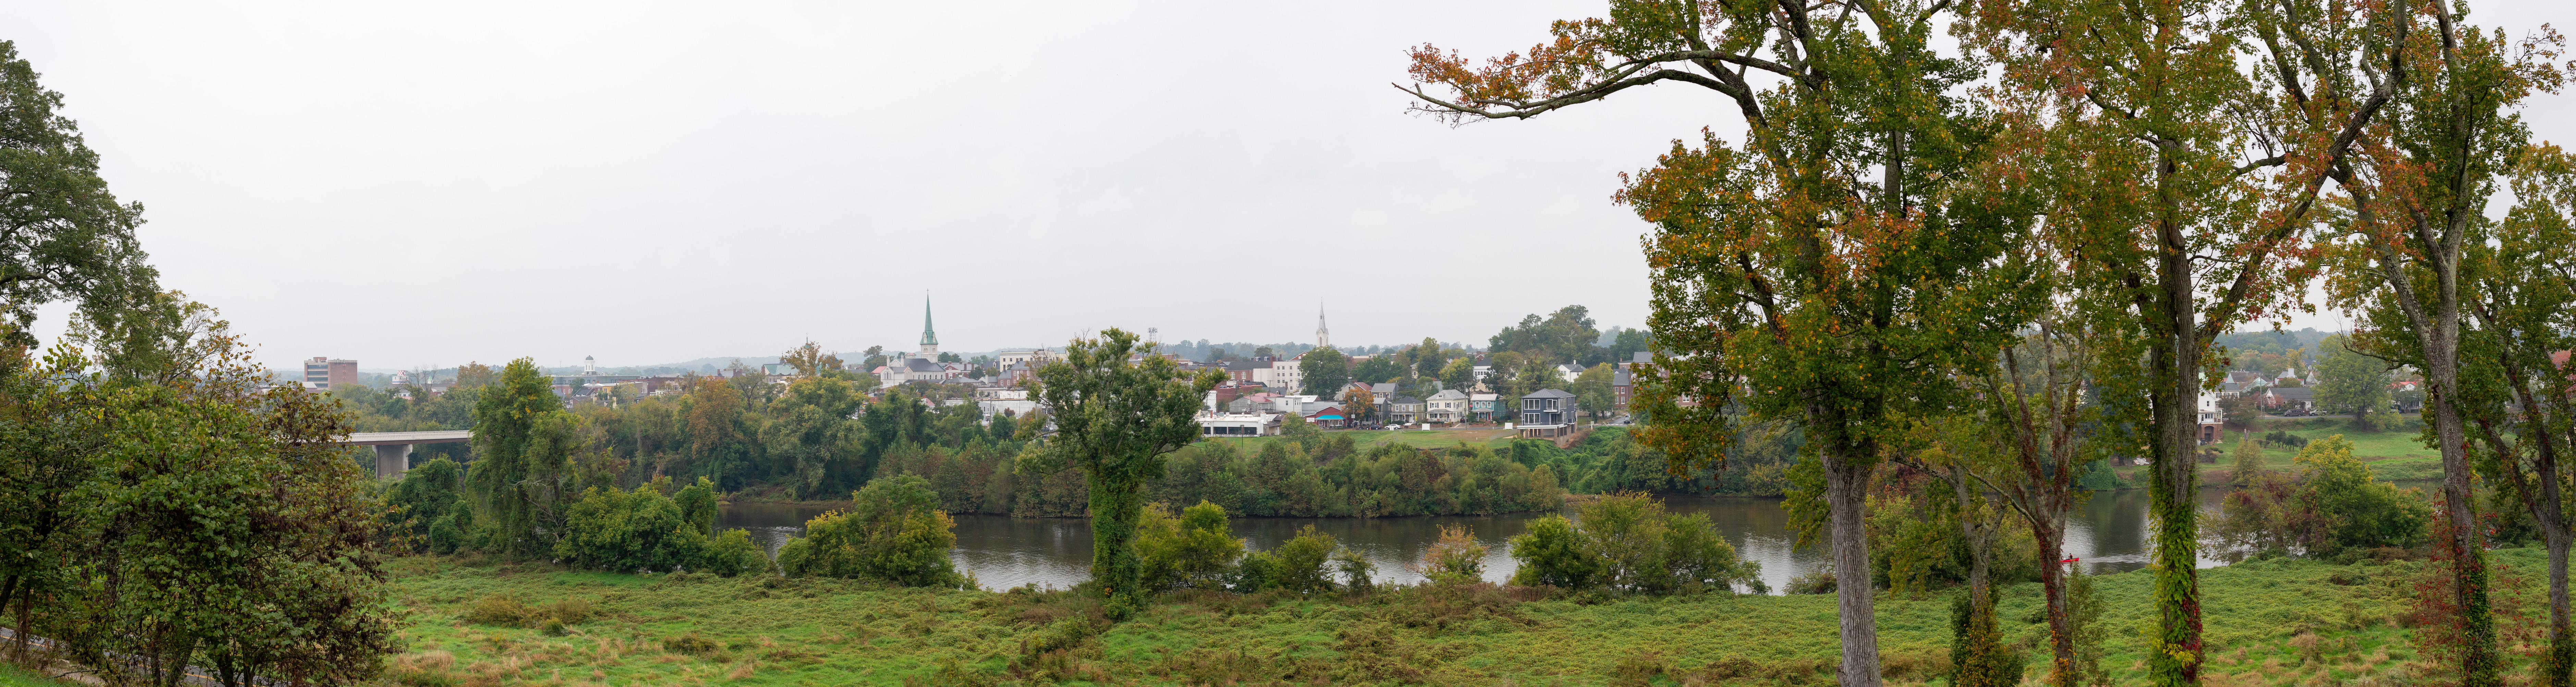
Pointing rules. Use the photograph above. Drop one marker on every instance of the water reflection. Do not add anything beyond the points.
(2109, 533)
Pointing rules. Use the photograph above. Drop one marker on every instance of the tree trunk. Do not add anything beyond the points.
(2052, 582)
(1116, 505)
(2174, 492)
(2468, 564)
(2562, 646)
(1846, 487)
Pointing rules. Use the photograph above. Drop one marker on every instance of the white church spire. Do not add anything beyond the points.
(1323, 337)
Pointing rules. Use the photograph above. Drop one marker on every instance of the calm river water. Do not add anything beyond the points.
(2109, 534)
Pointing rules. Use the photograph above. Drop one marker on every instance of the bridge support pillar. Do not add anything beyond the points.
(392, 460)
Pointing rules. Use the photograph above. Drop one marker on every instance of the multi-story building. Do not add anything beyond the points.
(1547, 413)
(1480, 406)
(326, 373)
(1450, 405)
(1238, 424)
(1404, 409)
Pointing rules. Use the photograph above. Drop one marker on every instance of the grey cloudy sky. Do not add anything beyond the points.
(654, 182)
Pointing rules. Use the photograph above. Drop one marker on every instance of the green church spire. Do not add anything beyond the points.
(928, 337)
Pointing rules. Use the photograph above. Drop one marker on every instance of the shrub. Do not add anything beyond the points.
(733, 553)
(1628, 542)
(1356, 570)
(2359, 512)
(1818, 581)
(698, 506)
(1194, 550)
(615, 529)
(1301, 562)
(1978, 656)
(1456, 558)
(499, 610)
(691, 644)
(571, 611)
(2286, 439)
(894, 533)
(552, 627)
(1552, 554)
(445, 536)
(1259, 571)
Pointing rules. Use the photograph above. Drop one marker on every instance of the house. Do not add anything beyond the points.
(1325, 414)
(1404, 409)
(2210, 418)
(1569, 372)
(1238, 424)
(2285, 398)
(1286, 373)
(1480, 406)
(1384, 393)
(1547, 413)
(1622, 383)
(1450, 405)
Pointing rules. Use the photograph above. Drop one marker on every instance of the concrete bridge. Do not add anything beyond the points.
(393, 449)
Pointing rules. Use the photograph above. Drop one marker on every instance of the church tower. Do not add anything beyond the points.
(1323, 337)
(929, 338)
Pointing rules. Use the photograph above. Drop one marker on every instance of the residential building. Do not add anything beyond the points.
(1450, 405)
(1019, 407)
(1404, 410)
(1238, 424)
(2210, 418)
(1325, 414)
(1032, 356)
(1384, 393)
(1622, 383)
(778, 369)
(1480, 406)
(1286, 375)
(2286, 398)
(1546, 413)
(327, 373)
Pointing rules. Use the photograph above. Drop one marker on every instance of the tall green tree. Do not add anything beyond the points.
(2522, 291)
(2417, 188)
(67, 236)
(1325, 371)
(1831, 269)
(2351, 382)
(1114, 419)
(524, 476)
(2180, 191)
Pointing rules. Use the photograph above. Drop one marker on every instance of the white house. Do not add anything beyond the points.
(1450, 405)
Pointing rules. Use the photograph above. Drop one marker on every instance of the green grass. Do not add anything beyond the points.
(2393, 455)
(14, 676)
(2269, 622)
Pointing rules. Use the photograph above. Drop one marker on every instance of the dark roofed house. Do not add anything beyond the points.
(2284, 398)
(1403, 409)
(1547, 413)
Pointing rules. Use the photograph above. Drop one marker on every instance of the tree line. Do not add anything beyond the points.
(1993, 258)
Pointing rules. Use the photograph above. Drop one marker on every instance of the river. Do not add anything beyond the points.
(2109, 534)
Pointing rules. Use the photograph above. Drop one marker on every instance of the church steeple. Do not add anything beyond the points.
(1323, 337)
(929, 338)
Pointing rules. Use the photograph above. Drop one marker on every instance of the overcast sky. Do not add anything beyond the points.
(650, 183)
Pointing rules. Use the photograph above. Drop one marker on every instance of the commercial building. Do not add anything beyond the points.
(326, 373)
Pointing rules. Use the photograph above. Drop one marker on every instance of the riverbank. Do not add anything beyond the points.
(2268, 622)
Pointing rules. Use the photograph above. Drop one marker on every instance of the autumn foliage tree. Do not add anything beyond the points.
(1832, 268)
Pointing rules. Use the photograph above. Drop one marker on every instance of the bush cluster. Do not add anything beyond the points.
(1198, 550)
(1629, 543)
(894, 532)
(643, 529)
(2331, 507)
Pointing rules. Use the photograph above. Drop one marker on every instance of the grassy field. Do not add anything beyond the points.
(2270, 623)
(14, 676)
(2392, 455)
